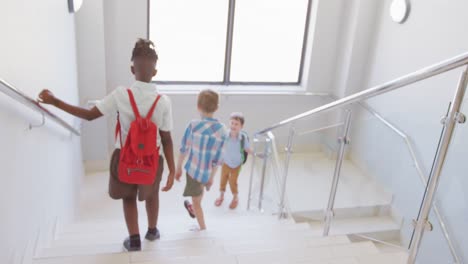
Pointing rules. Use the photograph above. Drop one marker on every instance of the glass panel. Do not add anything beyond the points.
(190, 37)
(380, 188)
(452, 202)
(265, 175)
(310, 168)
(268, 38)
(312, 165)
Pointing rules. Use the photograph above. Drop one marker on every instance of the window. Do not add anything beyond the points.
(229, 41)
(190, 37)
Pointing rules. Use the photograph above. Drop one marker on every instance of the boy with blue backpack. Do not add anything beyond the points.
(237, 147)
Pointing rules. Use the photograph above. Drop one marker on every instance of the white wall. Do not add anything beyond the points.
(325, 30)
(435, 30)
(41, 168)
(92, 79)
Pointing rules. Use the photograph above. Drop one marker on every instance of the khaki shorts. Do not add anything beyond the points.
(121, 190)
(193, 188)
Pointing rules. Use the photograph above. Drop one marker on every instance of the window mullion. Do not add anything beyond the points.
(304, 42)
(229, 37)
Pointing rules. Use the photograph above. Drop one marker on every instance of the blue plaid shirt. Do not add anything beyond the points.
(203, 140)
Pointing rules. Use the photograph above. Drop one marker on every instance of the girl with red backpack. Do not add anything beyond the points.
(144, 125)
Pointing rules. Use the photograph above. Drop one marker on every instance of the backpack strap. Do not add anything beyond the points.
(118, 130)
(133, 103)
(242, 148)
(242, 142)
(150, 112)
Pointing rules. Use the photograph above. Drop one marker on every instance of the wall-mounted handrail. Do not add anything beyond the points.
(19, 96)
(411, 78)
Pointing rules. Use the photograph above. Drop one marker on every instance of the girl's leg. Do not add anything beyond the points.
(131, 215)
(152, 210)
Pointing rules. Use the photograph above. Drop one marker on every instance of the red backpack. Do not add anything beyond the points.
(139, 157)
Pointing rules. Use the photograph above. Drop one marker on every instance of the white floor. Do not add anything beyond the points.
(233, 236)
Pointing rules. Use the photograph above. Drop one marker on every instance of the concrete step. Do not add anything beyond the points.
(288, 255)
(120, 258)
(343, 213)
(179, 233)
(309, 255)
(244, 243)
(319, 258)
(361, 225)
(112, 244)
(168, 223)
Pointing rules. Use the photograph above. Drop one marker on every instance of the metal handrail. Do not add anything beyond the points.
(411, 78)
(416, 162)
(19, 96)
(453, 117)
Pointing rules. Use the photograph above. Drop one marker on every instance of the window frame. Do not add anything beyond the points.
(228, 53)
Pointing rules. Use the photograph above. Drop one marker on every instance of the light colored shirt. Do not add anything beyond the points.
(203, 140)
(145, 94)
(232, 155)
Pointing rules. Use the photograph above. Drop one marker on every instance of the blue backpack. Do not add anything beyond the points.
(244, 153)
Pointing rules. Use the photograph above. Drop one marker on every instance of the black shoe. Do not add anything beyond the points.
(152, 235)
(131, 244)
(189, 208)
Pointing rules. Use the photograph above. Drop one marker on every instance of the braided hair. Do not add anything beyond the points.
(144, 48)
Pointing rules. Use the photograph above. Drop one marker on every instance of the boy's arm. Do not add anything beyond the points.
(47, 97)
(217, 161)
(180, 161)
(249, 150)
(211, 180)
(185, 146)
(168, 148)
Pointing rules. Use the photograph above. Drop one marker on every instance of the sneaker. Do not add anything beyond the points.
(129, 247)
(152, 236)
(219, 202)
(189, 208)
(234, 203)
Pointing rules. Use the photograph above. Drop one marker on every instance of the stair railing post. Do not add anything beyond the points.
(344, 140)
(292, 133)
(252, 169)
(266, 155)
(450, 121)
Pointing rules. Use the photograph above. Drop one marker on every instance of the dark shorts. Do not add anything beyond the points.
(121, 190)
(193, 188)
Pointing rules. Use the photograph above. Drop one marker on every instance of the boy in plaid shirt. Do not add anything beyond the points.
(203, 143)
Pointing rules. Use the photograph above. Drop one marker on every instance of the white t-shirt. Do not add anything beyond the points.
(144, 94)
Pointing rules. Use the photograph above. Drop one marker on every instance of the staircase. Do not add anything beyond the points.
(238, 236)
(362, 206)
